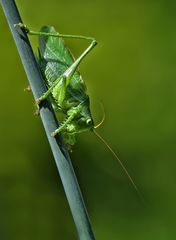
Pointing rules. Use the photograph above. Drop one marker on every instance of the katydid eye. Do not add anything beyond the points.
(89, 121)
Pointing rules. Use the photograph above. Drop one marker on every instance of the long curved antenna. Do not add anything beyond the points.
(119, 161)
(103, 118)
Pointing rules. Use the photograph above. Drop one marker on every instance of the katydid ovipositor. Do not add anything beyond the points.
(66, 86)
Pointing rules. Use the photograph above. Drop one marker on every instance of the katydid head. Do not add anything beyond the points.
(80, 124)
(82, 120)
(77, 125)
(79, 120)
(74, 127)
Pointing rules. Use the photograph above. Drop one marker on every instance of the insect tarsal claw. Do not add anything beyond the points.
(22, 26)
(27, 89)
(37, 102)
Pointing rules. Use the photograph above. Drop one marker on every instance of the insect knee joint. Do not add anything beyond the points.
(94, 42)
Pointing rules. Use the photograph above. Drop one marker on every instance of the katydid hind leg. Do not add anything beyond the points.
(67, 74)
(50, 34)
(71, 70)
(56, 34)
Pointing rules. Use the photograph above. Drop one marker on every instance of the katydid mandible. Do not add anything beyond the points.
(66, 87)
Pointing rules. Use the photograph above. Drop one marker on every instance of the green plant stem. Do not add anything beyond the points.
(50, 123)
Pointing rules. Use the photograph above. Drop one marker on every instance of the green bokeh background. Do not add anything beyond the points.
(132, 70)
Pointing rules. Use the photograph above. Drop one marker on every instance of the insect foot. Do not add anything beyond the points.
(37, 102)
(22, 26)
(37, 112)
(27, 89)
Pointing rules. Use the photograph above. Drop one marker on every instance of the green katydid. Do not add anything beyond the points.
(66, 86)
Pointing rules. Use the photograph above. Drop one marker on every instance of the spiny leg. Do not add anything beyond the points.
(71, 70)
(38, 33)
(67, 120)
(67, 75)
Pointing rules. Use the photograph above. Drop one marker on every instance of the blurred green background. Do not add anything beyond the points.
(132, 70)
